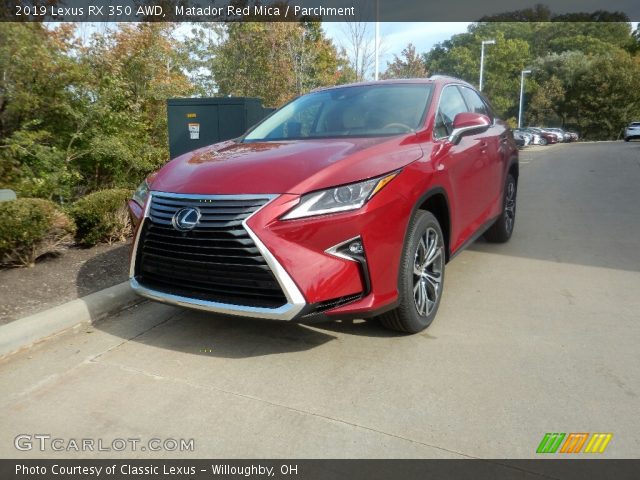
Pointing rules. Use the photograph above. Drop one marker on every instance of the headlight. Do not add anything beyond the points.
(141, 194)
(339, 199)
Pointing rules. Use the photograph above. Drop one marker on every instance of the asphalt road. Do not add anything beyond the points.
(540, 335)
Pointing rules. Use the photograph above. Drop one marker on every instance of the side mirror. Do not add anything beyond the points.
(467, 122)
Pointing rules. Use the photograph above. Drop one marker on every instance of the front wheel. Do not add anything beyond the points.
(501, 230)
(421, 277)
(543, 141)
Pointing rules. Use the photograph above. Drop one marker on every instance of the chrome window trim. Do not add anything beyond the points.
(288, 311)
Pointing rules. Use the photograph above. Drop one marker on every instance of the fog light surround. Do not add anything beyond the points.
(353, 250)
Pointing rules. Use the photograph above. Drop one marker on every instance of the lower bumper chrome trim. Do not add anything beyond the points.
(285, 312)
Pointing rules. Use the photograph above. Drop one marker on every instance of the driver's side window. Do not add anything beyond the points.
(451, 104)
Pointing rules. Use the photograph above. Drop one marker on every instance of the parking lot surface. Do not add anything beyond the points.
(538, 335)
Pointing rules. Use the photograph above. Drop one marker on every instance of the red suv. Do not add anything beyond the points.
(345, 202)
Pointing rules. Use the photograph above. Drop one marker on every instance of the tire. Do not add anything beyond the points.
(543, 141)
(419, 294)
(501, 230)
(626, 139)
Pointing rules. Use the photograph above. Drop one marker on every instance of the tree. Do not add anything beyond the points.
(201, 48)
(566, 86)
(134, 69)
(78, 117)
(274, 61)
(360, 49)
(411, 65)
(543, 106)
(39, 112)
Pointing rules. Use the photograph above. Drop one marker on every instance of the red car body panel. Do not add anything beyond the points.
(470, 175)
(283, 167)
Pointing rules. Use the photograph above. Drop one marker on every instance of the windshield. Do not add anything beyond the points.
(360, 111)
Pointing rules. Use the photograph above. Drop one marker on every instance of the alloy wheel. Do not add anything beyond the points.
(510, 206)
(427, 271)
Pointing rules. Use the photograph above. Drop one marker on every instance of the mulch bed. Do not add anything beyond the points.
(57, 280)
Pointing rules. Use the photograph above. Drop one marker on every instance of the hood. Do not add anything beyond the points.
(295, 166)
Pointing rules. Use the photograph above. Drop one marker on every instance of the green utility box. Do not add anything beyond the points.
(198, 122)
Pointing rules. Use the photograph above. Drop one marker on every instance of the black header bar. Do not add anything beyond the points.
(326, 10)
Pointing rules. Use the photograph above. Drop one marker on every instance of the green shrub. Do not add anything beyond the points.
(31, 228)
(102, 217)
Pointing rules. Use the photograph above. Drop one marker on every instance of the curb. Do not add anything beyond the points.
(26, 331)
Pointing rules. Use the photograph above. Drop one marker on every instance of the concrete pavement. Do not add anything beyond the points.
(539, 335)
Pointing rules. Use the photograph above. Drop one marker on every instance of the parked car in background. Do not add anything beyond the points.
(345, 203)
(562, 135)
(566, 135)
(632, 131)
(522, 138)
(558, 136)
(535, 137)
(546, 138)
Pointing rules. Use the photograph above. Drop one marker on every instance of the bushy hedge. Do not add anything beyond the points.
(31, 228)
(102, 217)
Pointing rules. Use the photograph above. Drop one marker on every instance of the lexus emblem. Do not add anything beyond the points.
(186, 219)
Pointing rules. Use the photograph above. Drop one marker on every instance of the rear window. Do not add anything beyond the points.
(634, 124)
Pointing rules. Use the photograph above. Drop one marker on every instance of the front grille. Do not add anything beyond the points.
(216, 261)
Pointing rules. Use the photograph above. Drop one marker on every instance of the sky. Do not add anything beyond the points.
(394, 37)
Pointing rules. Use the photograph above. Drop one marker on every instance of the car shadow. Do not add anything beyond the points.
(206, 334)
(360, 327)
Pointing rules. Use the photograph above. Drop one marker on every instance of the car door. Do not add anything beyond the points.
(465, 164)
(495, 156)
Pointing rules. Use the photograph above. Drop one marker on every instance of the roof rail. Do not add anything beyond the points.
(438, 76)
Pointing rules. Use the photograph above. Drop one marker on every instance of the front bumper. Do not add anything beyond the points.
(316, 282)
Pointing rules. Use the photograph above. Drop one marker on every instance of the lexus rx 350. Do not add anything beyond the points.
(345, 203)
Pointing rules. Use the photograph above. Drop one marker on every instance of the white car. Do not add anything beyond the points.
(632, 131)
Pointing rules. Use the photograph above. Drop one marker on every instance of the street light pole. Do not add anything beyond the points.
(522, 74)
(484, 42)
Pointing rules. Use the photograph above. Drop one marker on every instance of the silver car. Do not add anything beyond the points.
(632, 131)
